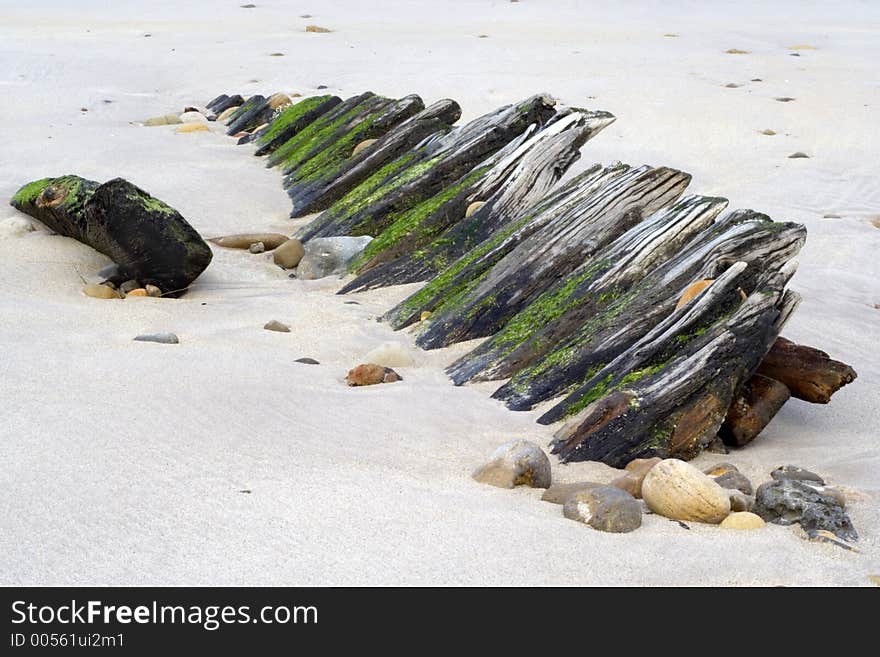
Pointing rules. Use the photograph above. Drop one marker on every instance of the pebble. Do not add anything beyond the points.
(727, 476)
(317, 29)
(168, 119)
(606, 508)
(307, 361)
(742, 520)
(693, 291)
(677, 490)
(278, 100)
(796, 473)
(516, 463)
(788, 501)
(425, 314)
(368, 374)
(192, 127)
(739, 501)
(226, 113)
(161, 338)
(193, 117)
(636, 470)
(473, 207)
(270, 241)
(275, 325)
(100, 291)
(257, 247)
(153, 291)
(366, 143)
(137, 292)
(768, 132)
(559, 493)
(736, 51)
(288, 255)
(798, 155)
(326, 256)
(784, 99)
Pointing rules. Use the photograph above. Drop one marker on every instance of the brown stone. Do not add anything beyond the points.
(289, 254)
(317, 29)
(368, 374)
(100, 291)
(693, 291)
(810, 374)
(192, 127)
(636, 470)
(366, 143)
(677, 490)
(243, 241)
(139, 292)
(277, 101)
(559, 493)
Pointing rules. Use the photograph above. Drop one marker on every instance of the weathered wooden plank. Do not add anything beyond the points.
(319, 194)
(512, 180)
(433, 165)
(293, 119)
(625, 314)
(537, 263)
(661, 398)
(451, 283)
(756, 402)
(147, 240)
(573, 301)
(247, 115)
(810, 374)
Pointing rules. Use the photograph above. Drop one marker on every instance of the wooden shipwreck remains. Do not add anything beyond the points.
(645, 319)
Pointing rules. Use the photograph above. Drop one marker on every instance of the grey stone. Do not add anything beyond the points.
(128, 286)
(307, 361)
(161, 338)
(257, 247)
(328, 256)
(788, 501)
(739, 501)
(796, 473)
(606, 508)
(275, 325)
(515, 463)
(733, 479)
(559, 493)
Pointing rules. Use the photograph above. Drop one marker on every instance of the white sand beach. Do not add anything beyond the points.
(125, 463)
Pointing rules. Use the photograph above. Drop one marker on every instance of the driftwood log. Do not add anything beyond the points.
(810, 374)
(291, 120)
(756, 403)
(147, 240)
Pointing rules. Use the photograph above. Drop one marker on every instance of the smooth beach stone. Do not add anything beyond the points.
(244, 240)
(473, 207)
(326, 256)
(168, 119)
(203, 111)
(366, 143)
(317, 28)
(288, 255)
(796, 473)
(727, 476)
(97, 291)
(161, 338)
(693, 291)
(798, 156)
(275, 325)
(368, 374)
(153, 291)
(225, 114)
(257, 247)
(739, 501)
(742, 520)
(425, 314)
(677, 490)
(606, 508)
(788, 501)
(307, 361)
(192, 127)
(278, 101)
(137, 292)
(193, 117)
(559, 493)
(516, 463)
(636, 470)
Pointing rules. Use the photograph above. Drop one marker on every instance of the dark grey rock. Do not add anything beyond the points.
(788, 501)
(161, 338)
(128, 286)
(307, 361)
(796, 473)
(733, 479)
(606, 508)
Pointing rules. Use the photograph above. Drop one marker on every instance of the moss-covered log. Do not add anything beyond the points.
(810, 374)
(291, 120)
(148, 240)
(329, 160)
(662, 398)
(594, 286)
(318, 194)
(538, 262)
(423, 172)
(420, 241)
(249, 115)
(450, 284)
(585, 339)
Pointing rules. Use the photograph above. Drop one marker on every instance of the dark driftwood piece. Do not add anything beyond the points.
(320, 193)
(752, 408)
(662, 398)
(440, 160)
(146, 239)
(330, 159)
(451, 283)
(291, 120)
(809, 373)
(249, 115)
(538, 262)
(622, 317)
(223, 102)
(596, 284)
(510, 181)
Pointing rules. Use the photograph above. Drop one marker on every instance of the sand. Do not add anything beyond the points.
(222, 461)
